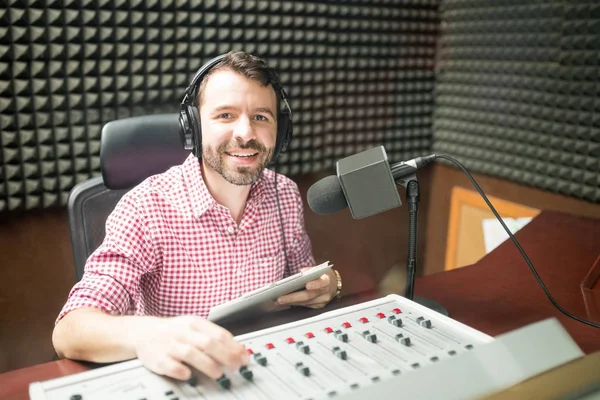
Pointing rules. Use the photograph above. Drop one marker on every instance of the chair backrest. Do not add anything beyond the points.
(90, 203)
(131, 150)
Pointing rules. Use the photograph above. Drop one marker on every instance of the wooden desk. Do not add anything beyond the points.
(496, 295)
(499, 293)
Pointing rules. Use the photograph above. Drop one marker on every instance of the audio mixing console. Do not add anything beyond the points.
(326, 356)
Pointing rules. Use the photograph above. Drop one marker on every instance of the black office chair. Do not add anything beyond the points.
(131, 150)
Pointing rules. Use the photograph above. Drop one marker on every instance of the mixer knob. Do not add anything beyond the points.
(395, 321)
(193, 381)
(224, 382)
(403, 340)
(303, 347)
(303, 369)
(260, 359)
(339, 353)
(424, 322)
(341, 336)
(371, 337)
(246, 373)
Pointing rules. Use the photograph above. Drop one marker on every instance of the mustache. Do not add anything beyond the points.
(238, 144)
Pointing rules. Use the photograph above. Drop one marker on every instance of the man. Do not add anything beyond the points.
(198, 235)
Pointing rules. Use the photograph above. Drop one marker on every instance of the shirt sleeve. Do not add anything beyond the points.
(112, 273)
(300, 249)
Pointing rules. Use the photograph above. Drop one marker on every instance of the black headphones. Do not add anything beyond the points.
(189, 119)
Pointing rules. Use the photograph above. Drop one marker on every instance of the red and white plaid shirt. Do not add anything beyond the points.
(170, 249)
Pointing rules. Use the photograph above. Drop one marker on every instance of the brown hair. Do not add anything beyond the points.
(243, 63)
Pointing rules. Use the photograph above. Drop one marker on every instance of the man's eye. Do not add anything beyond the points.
(261, 118)
(225, 115)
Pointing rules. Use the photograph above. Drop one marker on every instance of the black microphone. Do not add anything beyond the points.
(365, 182)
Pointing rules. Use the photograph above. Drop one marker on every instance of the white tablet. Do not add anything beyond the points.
(264, 299)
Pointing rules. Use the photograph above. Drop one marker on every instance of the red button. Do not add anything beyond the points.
(270, 346)
(364, 320)
(290, 340)
(346, 325)
(249, 351)
(397, 311)
(380, 315)
(328, 330)
(310, 335)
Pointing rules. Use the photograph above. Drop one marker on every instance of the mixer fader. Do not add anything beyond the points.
(321, 357)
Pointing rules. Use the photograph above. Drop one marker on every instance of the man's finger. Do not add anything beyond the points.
(197, 359)
(219, 344)
(317, 302)
(172, 368)
(225, 352)
(299, 297)
(320, 283)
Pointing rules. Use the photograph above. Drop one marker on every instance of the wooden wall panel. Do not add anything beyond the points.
(36, 273)
(444, 178)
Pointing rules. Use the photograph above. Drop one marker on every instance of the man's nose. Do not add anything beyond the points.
(244, 129)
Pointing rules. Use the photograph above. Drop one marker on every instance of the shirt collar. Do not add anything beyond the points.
(201, 199)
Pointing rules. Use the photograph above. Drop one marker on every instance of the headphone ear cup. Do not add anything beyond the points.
(189, 129)
(185, 128)
(196, 129)
(284, 134)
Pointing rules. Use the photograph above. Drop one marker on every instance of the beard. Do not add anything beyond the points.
(213, 157)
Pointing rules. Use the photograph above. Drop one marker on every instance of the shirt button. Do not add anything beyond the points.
(230, 229)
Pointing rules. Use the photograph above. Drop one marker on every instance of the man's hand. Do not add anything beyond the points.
(167, 346)
(317, 294)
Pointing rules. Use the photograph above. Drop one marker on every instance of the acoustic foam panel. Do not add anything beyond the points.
(358, 74)
(517, 91)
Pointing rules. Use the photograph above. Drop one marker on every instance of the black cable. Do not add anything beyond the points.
(529, 264)
(287, 263)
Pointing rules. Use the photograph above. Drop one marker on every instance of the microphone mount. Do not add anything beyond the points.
(411, 184)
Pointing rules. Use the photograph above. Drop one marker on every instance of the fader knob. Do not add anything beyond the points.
(224, 382)
(424, 322)
(303, 369)
(246, 373)
(260, 359)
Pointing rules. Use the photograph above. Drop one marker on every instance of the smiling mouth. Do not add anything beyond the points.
(242, 155)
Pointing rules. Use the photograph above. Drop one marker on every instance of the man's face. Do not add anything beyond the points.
(239, 126)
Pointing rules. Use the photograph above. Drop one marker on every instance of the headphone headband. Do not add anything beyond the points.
(192, 87)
